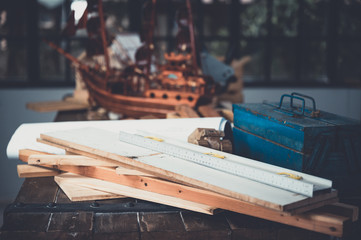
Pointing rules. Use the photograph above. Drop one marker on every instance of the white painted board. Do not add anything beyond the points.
(26, 134)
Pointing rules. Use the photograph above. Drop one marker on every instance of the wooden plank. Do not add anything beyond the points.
(185, 111)
(99, 143)
(127, 171)
(24, 154)
(80, 193)
(28, 171)
(133, 192)
(172, 115)
(227, 114)
(318, 220)
(76, 192)
(105, 174)
(52, 106)
(75, 160)
(208, 111)
(344, 210)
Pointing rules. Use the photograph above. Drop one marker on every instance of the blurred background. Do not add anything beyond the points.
(308, 46)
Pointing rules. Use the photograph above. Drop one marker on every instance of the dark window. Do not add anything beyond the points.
(290, 43)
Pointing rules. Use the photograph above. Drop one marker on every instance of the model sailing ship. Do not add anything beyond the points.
(136, 91)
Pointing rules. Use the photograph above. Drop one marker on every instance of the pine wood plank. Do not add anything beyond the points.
(172, 115)
(227, 114)
(186, 111)
(133, 192)
(127, 171)
(75, 160)
(76, 192)
(87, 141)
(52, 106)
(208, 111)
(344, 210)
(319, 220)
(28, 171)
(24, 154)
(105, 174)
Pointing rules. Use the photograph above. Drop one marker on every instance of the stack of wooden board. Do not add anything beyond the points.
(99, 166)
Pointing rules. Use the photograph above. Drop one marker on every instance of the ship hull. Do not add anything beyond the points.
(152, 103)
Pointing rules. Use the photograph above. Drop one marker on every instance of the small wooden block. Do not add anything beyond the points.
(209, 137)
(202, 133)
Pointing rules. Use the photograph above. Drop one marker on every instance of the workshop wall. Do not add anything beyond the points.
(13, 114)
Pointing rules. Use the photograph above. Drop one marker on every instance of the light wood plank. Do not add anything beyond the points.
(105, 144)
(172, 115)
(227, 114)
(24, 154)
(343, 209)
(74, 160)
(52, 106)
(76, 193)
(105, 174)
(127, 171)
(316, 220)
(133, 192)
(28, 171)
(319, 220)
(208, 111)
(186, 111)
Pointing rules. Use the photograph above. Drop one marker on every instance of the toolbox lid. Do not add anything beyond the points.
(270, 111)
(283, 128)
(297, 116)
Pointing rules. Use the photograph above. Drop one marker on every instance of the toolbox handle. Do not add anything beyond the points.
(293, 97)
(315, 112)
(304, 96)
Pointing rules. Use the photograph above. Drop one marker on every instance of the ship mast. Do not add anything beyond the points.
(192, 37)
(148, 31)
(150, 37)
(104, 39)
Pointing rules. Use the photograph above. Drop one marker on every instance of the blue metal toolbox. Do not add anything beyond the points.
(291, 135)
